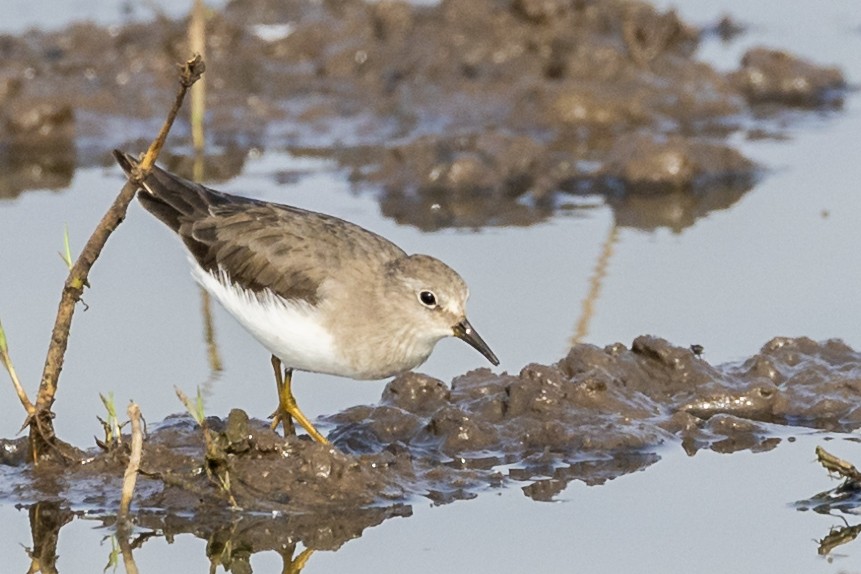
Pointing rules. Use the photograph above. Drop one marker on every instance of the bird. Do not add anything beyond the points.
(319, 293)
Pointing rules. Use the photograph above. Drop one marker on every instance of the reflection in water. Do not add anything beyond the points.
(127, 542)
(233, 553)
(212, 354)
(676, 210)
(37, 150)
(197, 106)
(844, 499)
(590, 472)
(46, 520)
(595, 282)
(199, 173)
(197, 45)
(25, 168)
(838, 536)
(838, 501)
(433, 205)
(215, 167)
(231, 539)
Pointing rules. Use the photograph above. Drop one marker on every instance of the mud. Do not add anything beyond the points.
(460, 114)
(595, 415)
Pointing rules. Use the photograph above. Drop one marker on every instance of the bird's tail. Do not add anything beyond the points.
(169, 197)
(126, 161)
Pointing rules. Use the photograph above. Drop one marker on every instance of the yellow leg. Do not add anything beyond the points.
(280, 415)
(292, 566)
(287, 407)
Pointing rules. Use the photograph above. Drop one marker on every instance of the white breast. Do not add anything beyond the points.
(289, 330)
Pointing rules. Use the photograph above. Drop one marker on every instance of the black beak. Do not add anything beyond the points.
(464, 331)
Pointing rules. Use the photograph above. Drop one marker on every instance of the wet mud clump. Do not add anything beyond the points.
(597, 414)
(465, 114)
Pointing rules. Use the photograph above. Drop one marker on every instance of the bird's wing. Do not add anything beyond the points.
(259, 245)
(287, 250)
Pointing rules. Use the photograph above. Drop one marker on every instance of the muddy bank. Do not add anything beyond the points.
(593, 416)
(458, 114)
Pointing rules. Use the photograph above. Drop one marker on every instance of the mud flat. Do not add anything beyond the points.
(595, 415)
(461, 114)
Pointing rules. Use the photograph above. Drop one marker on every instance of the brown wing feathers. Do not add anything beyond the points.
(239, 235)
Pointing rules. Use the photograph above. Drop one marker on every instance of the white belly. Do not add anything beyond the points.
(288, 330)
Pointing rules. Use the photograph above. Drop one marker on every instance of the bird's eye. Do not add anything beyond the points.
(428, 299)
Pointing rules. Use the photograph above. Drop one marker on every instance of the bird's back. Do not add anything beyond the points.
(259, 245)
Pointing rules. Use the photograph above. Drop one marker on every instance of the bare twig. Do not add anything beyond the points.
(40, 421)
(128, 558)
(837, 465)
(131, 475)
(190, 72)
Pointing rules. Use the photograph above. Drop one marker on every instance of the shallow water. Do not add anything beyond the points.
(781, 261)
(718, 512)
